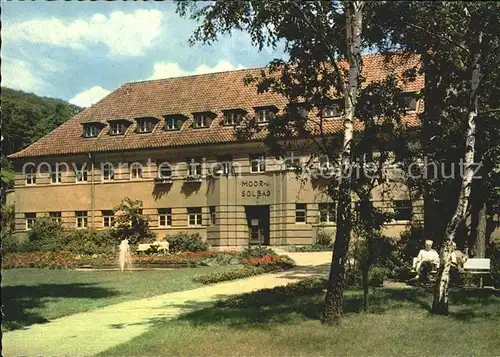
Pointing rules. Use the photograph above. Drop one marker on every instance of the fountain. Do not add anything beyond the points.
(124, 255)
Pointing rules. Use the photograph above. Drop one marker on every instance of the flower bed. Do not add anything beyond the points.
(252, 266)
(69, 260)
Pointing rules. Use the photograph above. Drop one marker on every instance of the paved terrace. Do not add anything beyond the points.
(89, 333)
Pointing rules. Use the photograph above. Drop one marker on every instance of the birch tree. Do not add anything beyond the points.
(323, 41)
(459, 45)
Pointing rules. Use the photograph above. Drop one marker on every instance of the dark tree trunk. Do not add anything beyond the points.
(480, 243)
(365, 288)
(334, 298)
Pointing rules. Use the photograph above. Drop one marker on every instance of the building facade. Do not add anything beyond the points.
(172, 144)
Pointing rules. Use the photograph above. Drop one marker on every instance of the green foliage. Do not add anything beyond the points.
(309, 248)
(233, 274)
(27, 117)
(494, 254)
(90, 241)
(257, 252)
(186, 242)
(130, 223)
(264, 297)
(47, 235)
(323, 238)
(221, 259)
(376, 276)
(51, 260)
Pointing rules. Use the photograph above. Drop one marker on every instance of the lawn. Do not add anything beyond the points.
(275, 324)
(34, 296)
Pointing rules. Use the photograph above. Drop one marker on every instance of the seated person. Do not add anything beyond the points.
(458, 260)
(426, 259)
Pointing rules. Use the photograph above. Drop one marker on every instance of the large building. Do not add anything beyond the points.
(159, 141)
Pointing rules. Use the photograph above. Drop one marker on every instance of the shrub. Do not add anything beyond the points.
(221, 259)
(47, 234)
(266, 297)
(90, 241)
(253, 266)
(233, 274)
(257, 252)
(494, 254)
(376, 276)
(323, 238)
(309, 248)
(130, 223)
(185, 242)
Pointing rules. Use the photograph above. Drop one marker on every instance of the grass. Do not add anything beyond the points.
(272, 323)
(34, 296)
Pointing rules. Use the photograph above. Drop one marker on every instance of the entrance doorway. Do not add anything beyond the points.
(258, 224)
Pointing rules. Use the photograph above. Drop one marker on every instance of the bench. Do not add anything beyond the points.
(472, 266)
(478, 266)
(160, 246)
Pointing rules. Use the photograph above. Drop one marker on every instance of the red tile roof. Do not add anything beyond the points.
(183, 95)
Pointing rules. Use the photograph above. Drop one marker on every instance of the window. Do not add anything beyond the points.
(194, 166)
(30, 176)
(300, 213)
(403, 210)
(117, 128)
(165, 217)
(81, 219)
(264, 115)
(201, 121)
(108, 172)
(232, 117)
(55, 176)
(164, 170)
(135, 171)
(257, 163)
(194, 215)
(90, 131)
(30, 220)
(409, 101)
(327, 212)
(108, 219)
(292, 159)
(56, 217)
(145, 125)
(173, 123)
(213, 216)
(81, 175)
(225, 164)
(334, 109)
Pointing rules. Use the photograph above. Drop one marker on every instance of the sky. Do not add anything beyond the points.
(81, 51)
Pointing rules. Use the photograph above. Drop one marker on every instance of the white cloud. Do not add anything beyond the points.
(124, 34)
(90, 96)
(18, 74)
(172, 69)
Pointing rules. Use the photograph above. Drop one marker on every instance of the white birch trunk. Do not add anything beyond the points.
(335, 290)
(440, 303)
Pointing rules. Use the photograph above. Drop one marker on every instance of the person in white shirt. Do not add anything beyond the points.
(426, 259)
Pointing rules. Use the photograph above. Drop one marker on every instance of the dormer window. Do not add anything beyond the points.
(263, 115)
(174, 122)
(117, 128)
(202, 120)
(335, 109)
(409, 101)
(233, 117)
(145, 125)
(91, 131)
